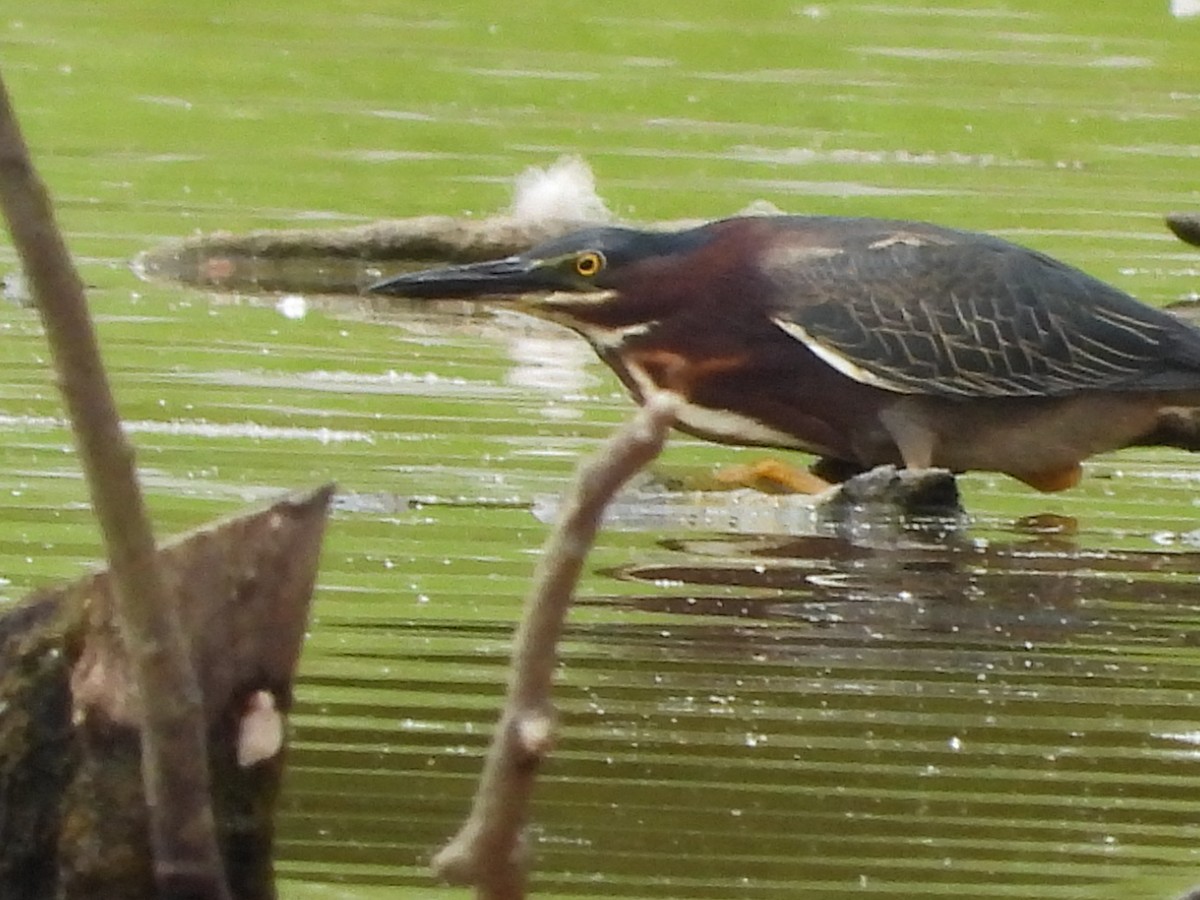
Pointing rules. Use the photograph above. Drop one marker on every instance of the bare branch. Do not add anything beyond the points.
(174, 756)
(487, 851)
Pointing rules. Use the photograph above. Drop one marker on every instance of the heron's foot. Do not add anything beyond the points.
(771, 476)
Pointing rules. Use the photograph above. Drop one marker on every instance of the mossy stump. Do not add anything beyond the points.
(72, 816)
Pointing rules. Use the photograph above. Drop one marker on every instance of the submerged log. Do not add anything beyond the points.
(73, 821)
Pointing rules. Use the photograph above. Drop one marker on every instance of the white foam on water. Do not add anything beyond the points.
(564, 190)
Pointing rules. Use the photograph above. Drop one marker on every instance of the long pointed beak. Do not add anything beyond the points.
(513, 275)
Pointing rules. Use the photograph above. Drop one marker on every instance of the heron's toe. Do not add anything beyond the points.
(771, 476)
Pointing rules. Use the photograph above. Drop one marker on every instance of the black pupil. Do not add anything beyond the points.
(587, 265)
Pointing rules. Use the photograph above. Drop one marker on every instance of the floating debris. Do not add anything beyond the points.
(1186, 227)
(564, 191)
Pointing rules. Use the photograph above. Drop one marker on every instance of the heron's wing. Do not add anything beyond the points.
(976, 318)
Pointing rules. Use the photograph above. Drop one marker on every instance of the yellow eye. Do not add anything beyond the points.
(589, 263)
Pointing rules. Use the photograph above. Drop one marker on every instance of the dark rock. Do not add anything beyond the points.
(888, 491)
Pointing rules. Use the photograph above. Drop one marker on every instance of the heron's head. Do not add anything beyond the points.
(604, 277)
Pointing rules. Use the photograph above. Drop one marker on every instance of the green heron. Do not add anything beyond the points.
(865, 341)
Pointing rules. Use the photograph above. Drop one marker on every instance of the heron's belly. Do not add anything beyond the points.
(784, 413)
(1023, 436)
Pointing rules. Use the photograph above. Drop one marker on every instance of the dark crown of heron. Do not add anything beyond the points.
(588, 258)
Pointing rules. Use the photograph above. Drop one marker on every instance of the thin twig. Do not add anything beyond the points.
(486, 852)
(174, 755)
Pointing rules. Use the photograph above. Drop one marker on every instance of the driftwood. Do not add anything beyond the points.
(73, 819)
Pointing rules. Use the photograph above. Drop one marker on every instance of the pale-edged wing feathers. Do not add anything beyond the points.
(962, 315)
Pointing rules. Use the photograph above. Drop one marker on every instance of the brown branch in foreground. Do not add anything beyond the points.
(174, 758)
(486, 852)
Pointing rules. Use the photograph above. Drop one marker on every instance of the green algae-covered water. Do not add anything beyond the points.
(750, 709)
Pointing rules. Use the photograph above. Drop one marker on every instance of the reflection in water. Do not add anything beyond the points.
(552, 362)
(974, 708)
(249, 431)
(794, 156)
(917, 584)
(908, 710)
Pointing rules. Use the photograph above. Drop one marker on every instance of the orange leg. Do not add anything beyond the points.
(772, 476)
